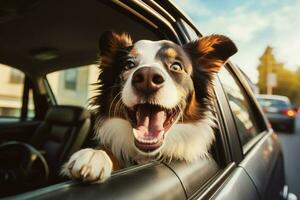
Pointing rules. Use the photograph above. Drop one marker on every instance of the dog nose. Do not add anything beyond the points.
(148, 79)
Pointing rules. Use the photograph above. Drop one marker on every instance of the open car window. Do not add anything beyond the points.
(74, 86)
(12, 93)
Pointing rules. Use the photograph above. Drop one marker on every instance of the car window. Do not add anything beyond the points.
(240, 106)
(74, 86)
(11, 93)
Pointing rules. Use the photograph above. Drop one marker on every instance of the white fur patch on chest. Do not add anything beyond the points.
(190, 141)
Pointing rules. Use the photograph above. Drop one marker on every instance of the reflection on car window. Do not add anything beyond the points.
(74, 86)
(240, 106)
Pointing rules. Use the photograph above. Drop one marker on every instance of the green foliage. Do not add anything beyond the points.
(288, 82)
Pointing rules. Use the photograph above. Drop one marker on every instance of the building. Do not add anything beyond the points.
(71, 86)
(74, 86)
(11, 89)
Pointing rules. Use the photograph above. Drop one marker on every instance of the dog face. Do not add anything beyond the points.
(157, 84)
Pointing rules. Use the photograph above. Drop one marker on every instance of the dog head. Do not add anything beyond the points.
(156, 84)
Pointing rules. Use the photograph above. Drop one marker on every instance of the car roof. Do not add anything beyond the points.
(39, 37)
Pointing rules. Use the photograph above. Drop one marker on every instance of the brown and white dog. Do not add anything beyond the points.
(154, 103)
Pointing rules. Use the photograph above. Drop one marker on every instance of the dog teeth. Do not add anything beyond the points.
(153, 141)
(135, 133)
(145, 141)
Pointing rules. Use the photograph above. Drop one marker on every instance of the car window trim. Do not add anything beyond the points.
(214, 183)
(25, 99)
(150, 16)
(156, 6)
(183, 34)
(184, 29)
(49, 91)
(251, 143)
(177, 13)
(229, 123)
(222, 129)
(36, 95)
(73, 183)
(137, 14)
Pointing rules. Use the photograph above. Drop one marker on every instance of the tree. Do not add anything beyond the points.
(288, 82)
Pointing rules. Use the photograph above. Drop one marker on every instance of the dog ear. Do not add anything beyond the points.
(211, 52)
(110, 41)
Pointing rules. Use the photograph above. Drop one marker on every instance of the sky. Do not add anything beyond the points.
(252, 25)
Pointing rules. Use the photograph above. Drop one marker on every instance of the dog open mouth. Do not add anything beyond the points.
(150, 123)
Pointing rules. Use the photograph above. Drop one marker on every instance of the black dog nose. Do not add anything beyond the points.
(148, 79)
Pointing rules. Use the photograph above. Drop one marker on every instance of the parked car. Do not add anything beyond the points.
(48, 50)
(279, 111)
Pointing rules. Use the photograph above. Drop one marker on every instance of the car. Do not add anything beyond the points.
(48, 51)
(279, 111)
(297, 109)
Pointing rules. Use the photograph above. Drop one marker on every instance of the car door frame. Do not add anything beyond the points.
(262, 155)
(241, 153)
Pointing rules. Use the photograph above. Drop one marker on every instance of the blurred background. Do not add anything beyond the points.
(267, 34)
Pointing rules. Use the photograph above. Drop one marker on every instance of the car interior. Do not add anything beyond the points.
(43, 37)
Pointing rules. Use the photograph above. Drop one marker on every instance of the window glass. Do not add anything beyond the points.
(74, 86)
(240, 106)
(11, 92)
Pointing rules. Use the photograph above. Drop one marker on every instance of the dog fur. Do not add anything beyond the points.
(178, 103)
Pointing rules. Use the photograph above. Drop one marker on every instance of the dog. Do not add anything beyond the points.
(154, 102)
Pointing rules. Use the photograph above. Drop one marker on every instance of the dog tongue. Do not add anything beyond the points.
(150, 122)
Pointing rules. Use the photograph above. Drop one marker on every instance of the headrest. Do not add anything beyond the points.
(66, 114)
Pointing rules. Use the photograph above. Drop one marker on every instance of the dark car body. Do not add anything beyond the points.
(279, 111)
(245, 162)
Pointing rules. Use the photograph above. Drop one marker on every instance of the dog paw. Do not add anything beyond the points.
(89, 165)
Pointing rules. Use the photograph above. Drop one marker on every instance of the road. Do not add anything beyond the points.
(291, 150)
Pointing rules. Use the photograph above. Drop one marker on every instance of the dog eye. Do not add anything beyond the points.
(129, 65)
(176, 66)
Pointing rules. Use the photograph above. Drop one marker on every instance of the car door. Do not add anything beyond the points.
(262, 155)
(18, 116)
(230, 176)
